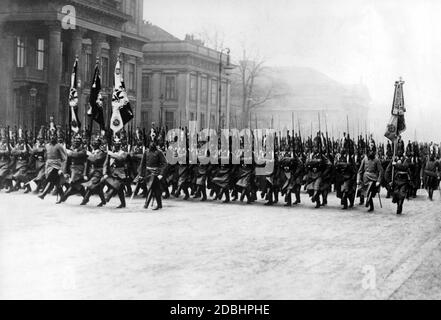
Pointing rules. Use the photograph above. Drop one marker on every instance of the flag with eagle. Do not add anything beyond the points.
(121, 110)
(95, 110)
(75, 123)
(397, 123)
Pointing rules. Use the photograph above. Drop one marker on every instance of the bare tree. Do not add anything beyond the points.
(251, 92)
(246, 91)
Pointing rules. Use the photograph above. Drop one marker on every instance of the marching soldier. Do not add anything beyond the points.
(38, 155)
(431, 173)
(55, 157)
(22, 161)
(93, 172)
(5, 162)
(370, 175)
(345, 180)
(74, 168)
(316, 165)
(114, 172)
(398, 176)
(151, 169)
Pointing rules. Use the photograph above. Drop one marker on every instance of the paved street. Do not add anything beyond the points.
(215, 251)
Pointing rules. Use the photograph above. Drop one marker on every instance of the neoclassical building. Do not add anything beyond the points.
(180, 82)
(38, 50)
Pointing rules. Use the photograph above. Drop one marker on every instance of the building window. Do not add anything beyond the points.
(21, 52)
(131, 76)
(204, 90)
(40, 54)
(214, 89)
(146, 90)
(170, 119)
(170, 88)
(105, 71)
(192, 116)
(193, 87)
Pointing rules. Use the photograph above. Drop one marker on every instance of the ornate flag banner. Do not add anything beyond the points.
(397, 123)
(121, 110)
(75, 123)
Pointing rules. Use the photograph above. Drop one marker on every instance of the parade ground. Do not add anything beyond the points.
(190, 250)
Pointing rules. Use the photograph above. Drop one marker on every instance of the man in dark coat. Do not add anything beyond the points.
(151, 169)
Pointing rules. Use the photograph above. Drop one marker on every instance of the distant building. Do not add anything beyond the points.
(180, 82)
(37, 55)
(300, 96)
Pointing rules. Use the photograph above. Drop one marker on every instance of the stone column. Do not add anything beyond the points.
(198, 100)
(54, 72)
(138, 79)
(97, 43)
(227, 94)
(156, 103)
(114, 44)
(76, 44)
(7, 65)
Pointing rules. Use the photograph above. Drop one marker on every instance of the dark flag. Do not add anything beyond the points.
(75, 123)
(121, 109)
(397, 122)
(95, 110)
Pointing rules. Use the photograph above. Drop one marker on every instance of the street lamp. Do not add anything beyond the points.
(227, 67)
(33, 94)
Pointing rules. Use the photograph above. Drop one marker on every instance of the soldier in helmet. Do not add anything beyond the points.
(74, 168)
(136, 153)
(398, 176)
(370, 175)
(22, 161)
(345, 178)
(38, 152)
(316, 167)
(431, 172)
(93, 172)
(5, 161)
(114, 172)
(55, 158)
(151, 169)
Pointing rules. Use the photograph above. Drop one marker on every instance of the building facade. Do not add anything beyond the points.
(181, 82)
(40, 40)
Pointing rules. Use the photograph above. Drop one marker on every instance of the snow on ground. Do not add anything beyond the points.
(193, 250)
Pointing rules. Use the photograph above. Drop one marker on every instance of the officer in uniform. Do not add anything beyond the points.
(151, 169)
(5, 161)
(55, 158)
(74, 169)
(114, 172)
(315, 166)
(38, 155)
(370, 175)
(398, 176)
(345, 178)
(431, 172)
(22, 158)
(93, 172)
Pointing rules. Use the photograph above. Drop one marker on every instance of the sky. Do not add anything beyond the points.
(374, 42)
